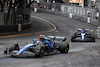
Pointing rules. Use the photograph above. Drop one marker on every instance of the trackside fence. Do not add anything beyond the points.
(75, 10)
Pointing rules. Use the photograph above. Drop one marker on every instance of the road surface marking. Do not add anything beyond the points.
(54, 28)
(15, 35)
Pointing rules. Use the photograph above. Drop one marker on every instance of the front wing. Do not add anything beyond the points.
(87, 39)
(26, 53)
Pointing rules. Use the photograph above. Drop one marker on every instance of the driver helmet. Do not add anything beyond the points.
(41, 38)
(83, 30)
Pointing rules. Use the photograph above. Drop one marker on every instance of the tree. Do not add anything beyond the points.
(2, 3)
(59, 1)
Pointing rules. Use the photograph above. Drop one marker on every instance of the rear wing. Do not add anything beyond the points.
(85, 29)
(57, 38)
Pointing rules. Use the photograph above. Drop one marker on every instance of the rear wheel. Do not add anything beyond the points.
(64, 48)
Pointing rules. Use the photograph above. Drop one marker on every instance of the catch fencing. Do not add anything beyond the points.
(63, 8)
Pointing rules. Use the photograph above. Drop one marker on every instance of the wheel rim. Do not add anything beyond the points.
(42, 52)
(67, 48)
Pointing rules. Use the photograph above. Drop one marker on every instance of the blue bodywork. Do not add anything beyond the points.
(48, 42)
(83, 34)
(27, 46)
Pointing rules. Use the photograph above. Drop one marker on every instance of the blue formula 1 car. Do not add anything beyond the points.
(39, 48)
(84, 35)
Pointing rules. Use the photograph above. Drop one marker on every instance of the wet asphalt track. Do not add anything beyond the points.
(81, 54)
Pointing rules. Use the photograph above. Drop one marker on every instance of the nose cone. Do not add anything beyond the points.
(83, 36)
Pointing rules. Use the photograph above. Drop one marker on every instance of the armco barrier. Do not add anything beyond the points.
(84, 19)
(98, 9)
(14, 28)
(78, 17)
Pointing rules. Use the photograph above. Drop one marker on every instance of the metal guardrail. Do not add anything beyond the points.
(98, 32)
(98, 28)
(67, 9)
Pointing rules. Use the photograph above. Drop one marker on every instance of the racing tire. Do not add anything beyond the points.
(64, 48)
(13, 47)
(73, 37)
(41, 52)
(92, 36)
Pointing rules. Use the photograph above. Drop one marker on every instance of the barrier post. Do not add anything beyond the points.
(19, 22)
(98, 32)
(88, 19)
(19, 27)
(88, 16)
(35, 9)
(70, 13)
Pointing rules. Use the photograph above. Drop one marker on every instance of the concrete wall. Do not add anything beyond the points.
(2, 18)
(14, 28)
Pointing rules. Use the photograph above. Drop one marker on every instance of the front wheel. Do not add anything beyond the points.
(41, 52)
(14, 47)
(11, 48)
